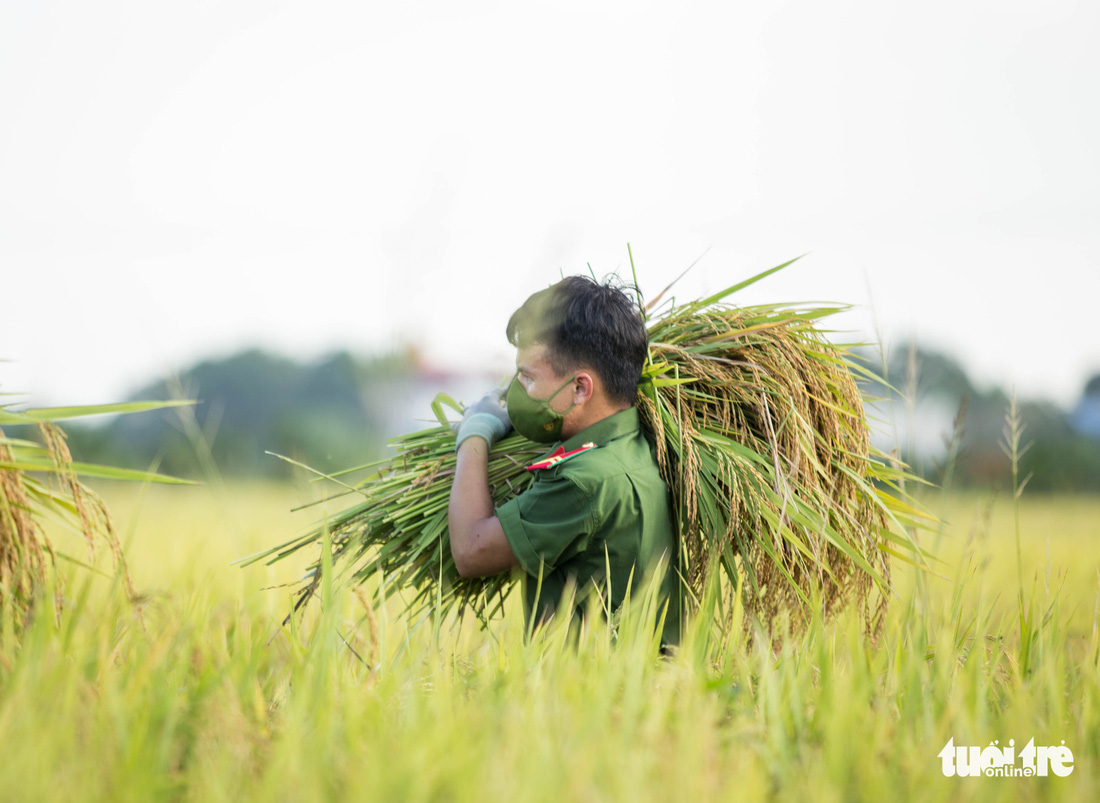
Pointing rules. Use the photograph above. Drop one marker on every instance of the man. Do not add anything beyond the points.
(597, 513)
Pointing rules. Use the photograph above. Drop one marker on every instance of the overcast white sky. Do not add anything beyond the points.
(181, 180)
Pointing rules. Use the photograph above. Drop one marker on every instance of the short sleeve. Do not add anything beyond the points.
(549, 522)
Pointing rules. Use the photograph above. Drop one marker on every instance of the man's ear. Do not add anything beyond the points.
(584, 386)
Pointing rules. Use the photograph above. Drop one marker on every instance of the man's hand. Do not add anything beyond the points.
(487, 418)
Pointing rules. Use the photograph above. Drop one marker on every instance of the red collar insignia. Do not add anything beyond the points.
(559, 455)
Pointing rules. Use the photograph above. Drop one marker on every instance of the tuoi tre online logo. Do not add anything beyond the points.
(998, 762)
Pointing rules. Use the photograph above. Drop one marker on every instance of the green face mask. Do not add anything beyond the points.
(535, 419)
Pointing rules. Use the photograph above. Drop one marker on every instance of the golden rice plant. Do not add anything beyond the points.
(39, 481)
(761, 436)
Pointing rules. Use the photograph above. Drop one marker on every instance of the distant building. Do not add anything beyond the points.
(920, 430)
(1085, 418)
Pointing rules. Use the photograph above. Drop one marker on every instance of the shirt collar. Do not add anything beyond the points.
(624, 422)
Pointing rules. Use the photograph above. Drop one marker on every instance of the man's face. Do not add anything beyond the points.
(539, 379)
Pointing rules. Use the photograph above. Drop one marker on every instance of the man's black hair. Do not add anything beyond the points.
(584, 324)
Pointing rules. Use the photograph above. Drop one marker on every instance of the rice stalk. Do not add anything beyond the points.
(761, 435)
(28, 560)
(40, 480)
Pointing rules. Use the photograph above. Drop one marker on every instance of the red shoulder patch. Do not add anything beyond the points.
(559, 455)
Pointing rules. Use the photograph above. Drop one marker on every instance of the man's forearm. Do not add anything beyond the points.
(470, 498)
(478, 544)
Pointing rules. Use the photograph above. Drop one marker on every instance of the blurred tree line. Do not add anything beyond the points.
(944, 423)
(331, 414)
(336, 413)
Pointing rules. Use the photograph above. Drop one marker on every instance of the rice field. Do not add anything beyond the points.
(206, 697)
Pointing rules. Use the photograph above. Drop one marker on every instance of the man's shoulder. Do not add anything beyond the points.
(614, 451)
(629, 458)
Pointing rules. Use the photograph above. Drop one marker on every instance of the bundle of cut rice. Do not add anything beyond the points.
(761, 436)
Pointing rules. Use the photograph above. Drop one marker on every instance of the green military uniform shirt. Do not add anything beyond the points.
(611, 498)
